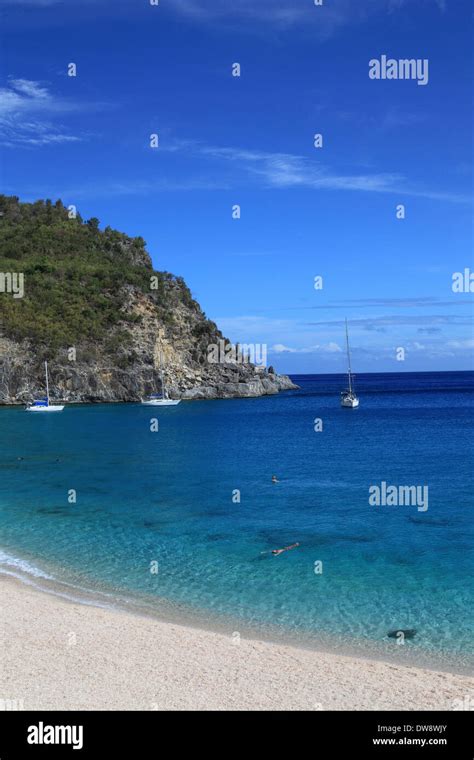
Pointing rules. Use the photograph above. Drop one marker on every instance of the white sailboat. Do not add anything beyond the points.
(348, 397)
(42, 404)
(163, 400)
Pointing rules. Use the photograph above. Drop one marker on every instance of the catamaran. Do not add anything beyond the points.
(42, 404)
(163, 400)
(348, 397)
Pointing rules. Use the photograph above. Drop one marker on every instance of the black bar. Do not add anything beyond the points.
(312, 734)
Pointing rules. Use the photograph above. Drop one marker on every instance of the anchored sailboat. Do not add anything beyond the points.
(348, 397)
(42, 404)
(163, 400)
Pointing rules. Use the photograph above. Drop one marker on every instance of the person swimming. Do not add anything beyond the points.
(276, 552)
(275, 479)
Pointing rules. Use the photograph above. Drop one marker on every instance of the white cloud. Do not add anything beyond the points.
(23, 105)
(271, 170)
(300, 345)
(287, 170)
(30, 88)
(461, 344)
(331, 348)
(328, 348)
(277, 12)
(40, 3)
(323, 21)
(436, 348)
(27, 96)
(33, 133)
(398, 320)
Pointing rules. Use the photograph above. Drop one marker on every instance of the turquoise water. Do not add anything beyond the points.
(167, 496)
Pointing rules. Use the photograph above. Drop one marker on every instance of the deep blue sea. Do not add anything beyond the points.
(169, 497)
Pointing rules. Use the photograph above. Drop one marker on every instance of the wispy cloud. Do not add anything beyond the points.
(438, 349)
(24, 104)
(327, 355)
(285, 170)
(116, 188)
(21, 88)
(39, 3)
(290, 171)
(461, 344)
(252, 16)
(397, 303)
(33, 133)
(24, 95)
(325, 348)
(397, 320)
(323, 20)
(230, 167)
(373, 340)
(276, 12)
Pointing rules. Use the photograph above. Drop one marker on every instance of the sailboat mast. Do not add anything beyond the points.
(163, 391)
(349, 359)
(47, 383)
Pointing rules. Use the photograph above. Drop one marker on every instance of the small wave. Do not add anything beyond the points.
(25, 572)
(15, 563)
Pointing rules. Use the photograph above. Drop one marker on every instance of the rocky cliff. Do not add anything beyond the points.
(90, 302)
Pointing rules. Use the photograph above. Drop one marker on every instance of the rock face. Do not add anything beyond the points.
(104, 343)
(92, 380)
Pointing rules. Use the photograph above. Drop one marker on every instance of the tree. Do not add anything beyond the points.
(93, 223)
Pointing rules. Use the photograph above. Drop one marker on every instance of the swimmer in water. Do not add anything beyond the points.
(276, 552)
(275, 479)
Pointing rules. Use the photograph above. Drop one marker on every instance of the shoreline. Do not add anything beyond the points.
(138, 401)
(62, 654)
(26, 572)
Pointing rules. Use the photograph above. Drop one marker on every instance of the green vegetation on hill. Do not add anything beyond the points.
(76, 277)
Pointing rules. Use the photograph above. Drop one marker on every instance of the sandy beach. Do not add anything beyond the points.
(63, 655)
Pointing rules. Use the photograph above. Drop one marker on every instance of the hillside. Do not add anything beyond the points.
(95, 292)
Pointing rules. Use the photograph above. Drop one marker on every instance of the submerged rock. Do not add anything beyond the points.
(408, 633)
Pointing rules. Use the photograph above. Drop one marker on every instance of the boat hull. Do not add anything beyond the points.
(50, 408)
(350, 402)
(162, 402)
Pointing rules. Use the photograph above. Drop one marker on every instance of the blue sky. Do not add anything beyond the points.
(223, 140)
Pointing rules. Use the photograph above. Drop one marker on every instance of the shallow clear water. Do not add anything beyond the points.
(167, 496)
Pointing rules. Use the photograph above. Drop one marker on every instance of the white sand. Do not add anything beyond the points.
(62, 655)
